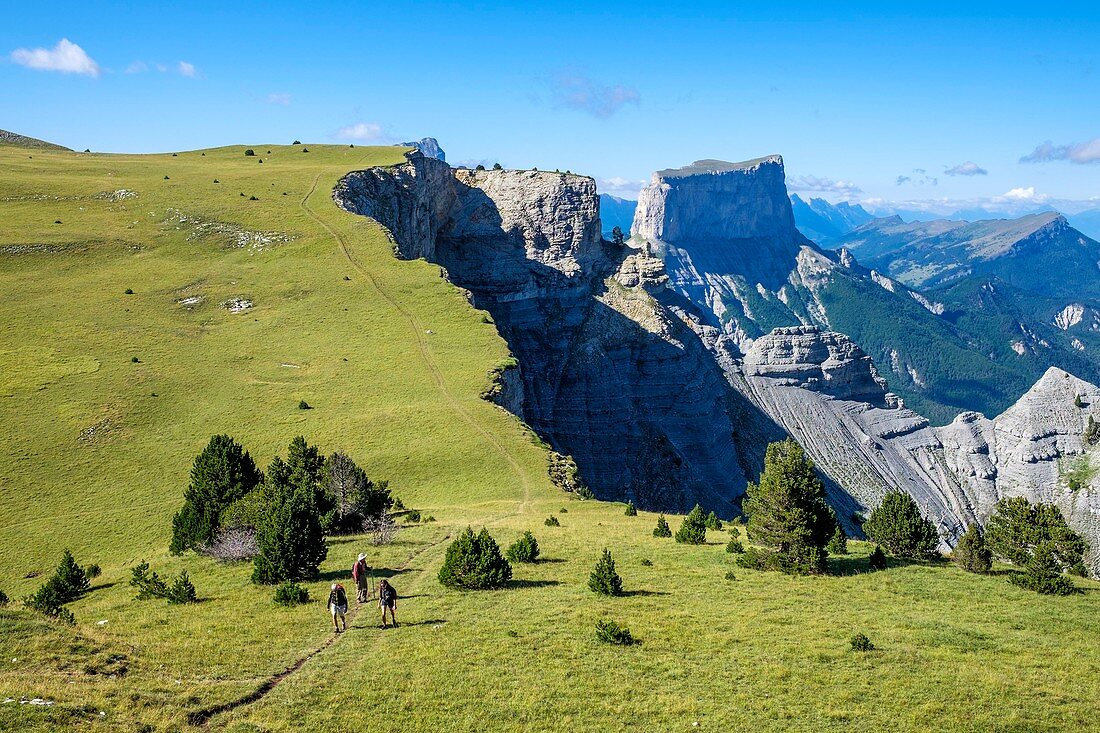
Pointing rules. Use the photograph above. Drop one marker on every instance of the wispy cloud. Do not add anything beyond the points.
(186, 69)
(137, 67)
(278, 98)
(919, 177)
(579, 92)
(362, 132)
(903, 179)
(1082, 153)
(183, 68)
(66, 57)
(969, 168)
(619, 186)
(824, 185)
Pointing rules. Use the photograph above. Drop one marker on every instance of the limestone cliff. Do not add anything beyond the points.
(611, 373)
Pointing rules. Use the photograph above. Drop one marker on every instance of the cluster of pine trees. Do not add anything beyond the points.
(290, 507)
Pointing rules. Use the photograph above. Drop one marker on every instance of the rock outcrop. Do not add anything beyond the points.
(428, 147)
(612, 374)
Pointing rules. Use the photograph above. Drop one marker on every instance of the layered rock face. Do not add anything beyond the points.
(611, 375)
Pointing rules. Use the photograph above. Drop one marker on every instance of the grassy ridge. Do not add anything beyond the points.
(765, 651)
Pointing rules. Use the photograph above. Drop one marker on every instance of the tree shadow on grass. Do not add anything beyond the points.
(524, 583)
(629, 593)
(843, 565)
(426, 622)
(550, 560)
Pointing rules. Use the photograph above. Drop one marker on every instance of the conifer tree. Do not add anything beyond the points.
(787, 511)
(838, 543)
(662, 529)
(1037, 538)
(897, 525)
(474, 562)
(222, 473)
(693, 530)
(713, 522)
(604, 580)
(971, 554)
(631, 510)
(290, 536)
(877, 559)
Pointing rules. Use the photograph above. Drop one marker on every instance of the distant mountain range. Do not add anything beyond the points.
(822, 221)
(616, 212)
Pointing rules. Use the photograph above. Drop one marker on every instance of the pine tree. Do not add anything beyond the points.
(693, 530)
(617, 237)
(182, 590)
(838, 543)
(71, 579)
(474, 562)
(631, 510)
(897, 525)
(525, 549)
(1037, 538)
(290, 536)
(604, 580)
(1092, 431)
(877, 559)
(971, 554)
(222, 473)
(713, 522)
(662, 529)
(787, 511)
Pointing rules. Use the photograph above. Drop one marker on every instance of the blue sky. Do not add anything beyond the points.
(865, 102)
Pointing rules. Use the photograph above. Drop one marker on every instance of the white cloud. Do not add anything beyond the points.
(186, 69)
(162, 68)
(581, 93)
(1023, 195)
(822, 184)
(137, 67)
(969, 168)
(66, 57)
(1081, 153)
(278, 98)
(619, 186)
(361, 131)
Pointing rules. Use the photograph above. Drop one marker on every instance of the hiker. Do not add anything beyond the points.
(338, 605)
(387, 600)
(361, 573)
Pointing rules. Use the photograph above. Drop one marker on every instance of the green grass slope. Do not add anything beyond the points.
(98, 449)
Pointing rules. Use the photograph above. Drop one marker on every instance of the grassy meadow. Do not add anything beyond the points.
(98, 448)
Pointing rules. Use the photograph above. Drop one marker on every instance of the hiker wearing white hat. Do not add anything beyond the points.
(361, 573)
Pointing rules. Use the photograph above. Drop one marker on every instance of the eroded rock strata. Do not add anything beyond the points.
(630, 362)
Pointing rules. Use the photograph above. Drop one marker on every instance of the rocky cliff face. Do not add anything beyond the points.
(658, 398)
(611, 373)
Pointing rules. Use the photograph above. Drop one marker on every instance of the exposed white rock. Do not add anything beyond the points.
(1069, 316)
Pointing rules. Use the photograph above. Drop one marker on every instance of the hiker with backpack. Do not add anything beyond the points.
(338, 606)
(387, 600)
(360, 571)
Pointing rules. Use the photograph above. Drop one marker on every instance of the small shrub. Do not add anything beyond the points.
(381, 528)
(474, 562)
(734, 546)
(802, 563)
(93, 571)
(250, 152)
(1092, 432)
(398, 505)
(166, 178)
(129, 291)
(479, 167)
(604, 580)
(860, 643)
(182, 590)
(552, 521)
(713, 522)
(1078, 402)
(525, 549)
(693, 530)
(610, 632)
(631, 510)
(427, 518)
(147, 582)
(563, 510)
(971, 554)
(877, 559)
(303, 405)
(730, 575)
(3, 599)
(585, 493)
(135, 360)
(662, 529)
(289, 593)
(296, 142)
(412, 516)
(646, 562)
(838, 543)
(253, 198)
(305, 150)
(233, 544)
(497, 166)
(216, 181)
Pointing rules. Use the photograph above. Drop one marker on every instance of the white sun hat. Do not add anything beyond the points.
(362, 556)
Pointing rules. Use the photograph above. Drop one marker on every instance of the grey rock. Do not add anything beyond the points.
(428, 147)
